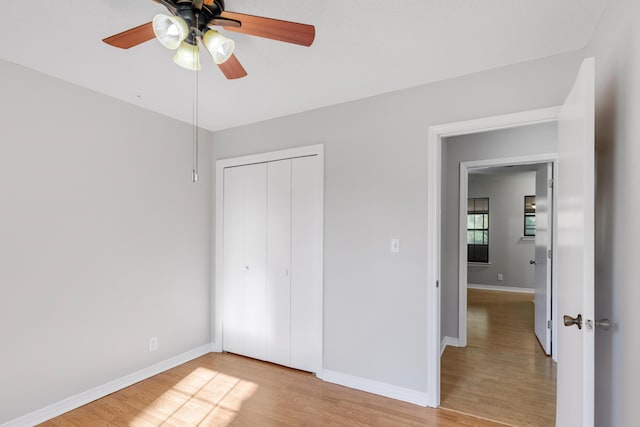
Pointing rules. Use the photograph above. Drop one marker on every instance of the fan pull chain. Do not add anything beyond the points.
(194, 172)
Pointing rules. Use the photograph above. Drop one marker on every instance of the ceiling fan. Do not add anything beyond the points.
(192, 21)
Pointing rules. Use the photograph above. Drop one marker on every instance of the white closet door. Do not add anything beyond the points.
(255, 256)
(272, 261)
(245, 246)
(233, 267)
(279, 262)
(306, 263)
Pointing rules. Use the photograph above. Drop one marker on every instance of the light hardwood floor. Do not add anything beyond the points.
(503, 373)
(225, 389)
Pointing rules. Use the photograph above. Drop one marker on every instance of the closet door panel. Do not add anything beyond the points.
(233, 263)
(255, 259)
(306, 263)
(278, 262)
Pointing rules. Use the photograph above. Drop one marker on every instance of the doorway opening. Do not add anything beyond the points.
(437, 336)
(574, 244)
(501, 368)
(507, 246)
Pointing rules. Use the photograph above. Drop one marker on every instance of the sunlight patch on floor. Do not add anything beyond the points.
(204, 397)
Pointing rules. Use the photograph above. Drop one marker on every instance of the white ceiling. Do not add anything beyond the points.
(362, 48)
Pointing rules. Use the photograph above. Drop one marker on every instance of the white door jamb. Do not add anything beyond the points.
(436, 134)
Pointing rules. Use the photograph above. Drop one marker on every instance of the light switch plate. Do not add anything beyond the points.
(395, 246)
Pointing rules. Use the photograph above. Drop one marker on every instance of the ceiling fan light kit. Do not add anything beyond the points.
(220, 47)
(188, 56)
(170, 30)
(191, 20)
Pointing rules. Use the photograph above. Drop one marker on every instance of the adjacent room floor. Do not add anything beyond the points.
(503, 373)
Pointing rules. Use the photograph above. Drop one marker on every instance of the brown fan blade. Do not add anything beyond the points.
(232, 68)
(221, 22)
(208, 2)
(285, 31)
(132, 37)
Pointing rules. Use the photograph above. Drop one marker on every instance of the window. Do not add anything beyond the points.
(478, 230)
(529, 215)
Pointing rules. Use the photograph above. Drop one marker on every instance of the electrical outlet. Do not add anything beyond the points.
(500, 277)
(153, 344)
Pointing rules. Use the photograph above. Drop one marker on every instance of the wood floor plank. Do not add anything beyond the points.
(230, 390)
(502, 374)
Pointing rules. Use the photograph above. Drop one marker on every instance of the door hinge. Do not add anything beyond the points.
(551, 183)
(437, 283)
(549, 253)
(549, 324)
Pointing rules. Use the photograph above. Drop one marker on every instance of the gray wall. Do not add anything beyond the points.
(616, 47)
(375, 189)
(522, 141)
(509, 254)
(104, 240)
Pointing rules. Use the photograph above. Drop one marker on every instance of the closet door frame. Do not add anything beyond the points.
(218, 261)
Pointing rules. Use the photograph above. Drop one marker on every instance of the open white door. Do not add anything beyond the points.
(575, 260)
(542, 283)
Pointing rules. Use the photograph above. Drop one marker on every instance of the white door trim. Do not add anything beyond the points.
(462, 243)
(436, 134)
(311, 150)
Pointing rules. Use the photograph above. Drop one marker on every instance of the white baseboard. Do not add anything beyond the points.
(376, 387)
(73, 402)
(453, 342)
(501, 288)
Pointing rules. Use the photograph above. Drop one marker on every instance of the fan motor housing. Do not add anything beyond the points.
(195, 18)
